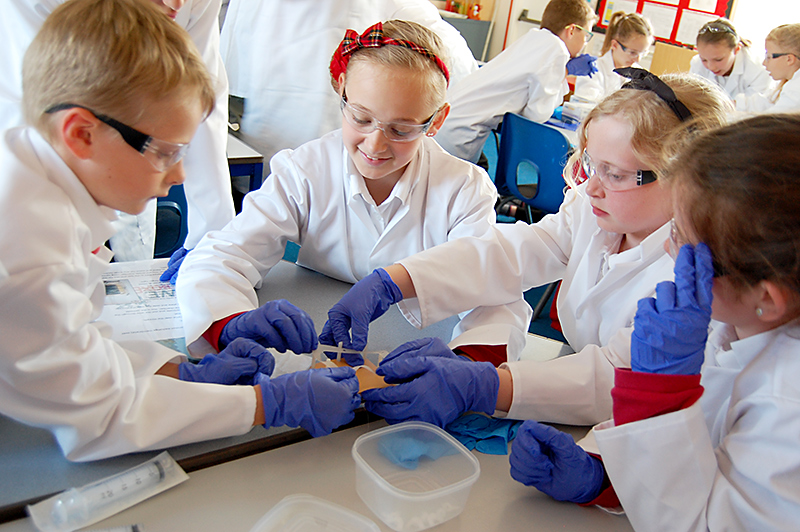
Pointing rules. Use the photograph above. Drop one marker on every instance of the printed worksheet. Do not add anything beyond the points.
(139, 306)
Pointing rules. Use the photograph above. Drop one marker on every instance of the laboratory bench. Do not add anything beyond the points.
(32, 466)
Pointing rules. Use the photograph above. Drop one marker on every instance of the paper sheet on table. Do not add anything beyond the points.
(141, 307)
(541, 348)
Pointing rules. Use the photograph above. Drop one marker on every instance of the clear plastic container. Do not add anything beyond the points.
(413, 475)
(306, 513)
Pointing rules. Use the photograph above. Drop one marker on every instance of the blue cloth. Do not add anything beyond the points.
(406, 450)
(485, 434)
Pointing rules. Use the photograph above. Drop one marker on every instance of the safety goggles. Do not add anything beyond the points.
(587, 35)
(716, 28)
(614, 179)
(633, 53)
(159, 153)
(394, 131)
(769, 56)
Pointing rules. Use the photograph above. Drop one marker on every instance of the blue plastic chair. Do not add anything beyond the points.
(530, 164)
(172, 225)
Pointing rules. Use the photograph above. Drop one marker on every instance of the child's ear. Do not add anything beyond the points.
(775, 302)
(77, 129)
(340, 82)
(438, 120)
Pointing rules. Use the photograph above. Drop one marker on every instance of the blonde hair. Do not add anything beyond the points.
(402, 57)
(787, 36)
(656, 132)
(720, 31)
(622, 25)
(113, 56)
(558, 14)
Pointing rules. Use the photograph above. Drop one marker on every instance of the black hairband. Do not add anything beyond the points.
(643, 80)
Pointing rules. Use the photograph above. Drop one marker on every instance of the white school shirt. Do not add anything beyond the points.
(748, 79)
(603, 82)
(728, 462)
(596, 304)
(208, 185)
(287, 85)
(59, 368)
(529, 78)
(315, 197)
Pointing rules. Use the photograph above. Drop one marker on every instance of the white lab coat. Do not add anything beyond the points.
(596, 303)
(529, 78)
(316, 198)
(730, 461)
(779, 100)
(59, 369)
(286, 85)
(748, 79)
(207, 187)
(603, 82)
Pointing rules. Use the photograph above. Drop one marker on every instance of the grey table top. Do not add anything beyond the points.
(33, 467)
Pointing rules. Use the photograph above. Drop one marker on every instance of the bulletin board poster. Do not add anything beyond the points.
(674, 21)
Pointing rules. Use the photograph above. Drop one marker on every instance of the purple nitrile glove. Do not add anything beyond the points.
(319, 400)
(551, 461)
(174, 264)
(671, 330)
(238, 363)
(277, 324)
(583, 65)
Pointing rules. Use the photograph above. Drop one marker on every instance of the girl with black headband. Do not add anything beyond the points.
(606, 244)
(359, 198)
(725, 58)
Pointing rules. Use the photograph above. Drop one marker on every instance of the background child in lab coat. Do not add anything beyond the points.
(724, 58)
(529, 78)
(783, 61)
(359, 198)
(606, 243)
(628, 38)
(706, 425)
(116, 91)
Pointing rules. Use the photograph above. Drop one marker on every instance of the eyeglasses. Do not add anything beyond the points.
(632, 52)
(613, 179)
(159, 153)
(676, 241)
(768, 56)
(587, 35)
(394, 131)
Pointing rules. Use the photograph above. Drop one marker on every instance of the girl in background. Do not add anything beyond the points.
(628, 38)
(706, 426)
(725, 58)
(782, 60)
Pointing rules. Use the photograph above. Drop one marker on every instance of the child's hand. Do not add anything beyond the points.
(551, 461)
(319, 400)
(583, 65)
(277, 324)
(670, 332)
(236, 364)
(174, 264)
(366, 301)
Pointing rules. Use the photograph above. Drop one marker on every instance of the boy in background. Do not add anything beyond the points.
(528, 78)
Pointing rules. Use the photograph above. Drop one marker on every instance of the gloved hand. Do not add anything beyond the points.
(670, 331)
(238, 363)
(277, 324)
(583, 65)
(433, 385)
(175, 261)
(319, 400)
(366, 301)
(551, 461)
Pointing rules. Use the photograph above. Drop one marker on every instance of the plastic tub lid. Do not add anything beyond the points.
(307, 513)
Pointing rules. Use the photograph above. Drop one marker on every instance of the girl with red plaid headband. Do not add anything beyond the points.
(359, 198)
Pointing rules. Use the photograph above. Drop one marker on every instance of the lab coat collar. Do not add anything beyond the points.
(402, 189)
(97, 217)
(736, 354)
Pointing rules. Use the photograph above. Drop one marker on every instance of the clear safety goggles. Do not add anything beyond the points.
(159, 153)
(394, 131)
(613, 179)
(634, 53)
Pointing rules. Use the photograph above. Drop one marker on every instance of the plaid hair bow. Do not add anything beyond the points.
(373, 37)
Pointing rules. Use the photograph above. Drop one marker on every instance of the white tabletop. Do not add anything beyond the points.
(233, 496)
